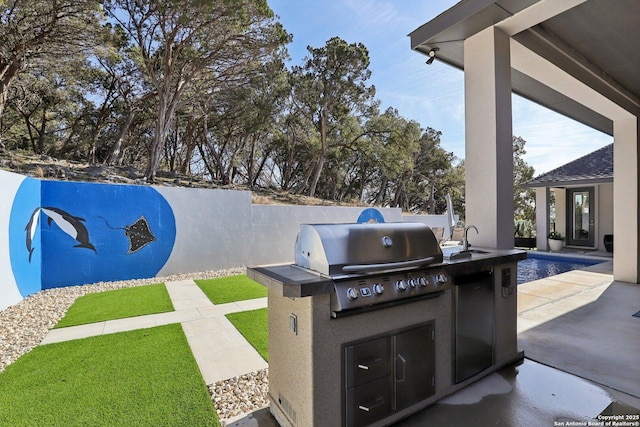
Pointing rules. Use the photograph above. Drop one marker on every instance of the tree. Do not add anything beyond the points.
(234, 121)
(523, 198)
(434, 176)
(330, 86)
(290, 148)
(394, 142)
(179, 42)
(36, 30)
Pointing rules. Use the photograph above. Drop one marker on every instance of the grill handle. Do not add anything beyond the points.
(375, 404)
(401, 363)
(354, 268)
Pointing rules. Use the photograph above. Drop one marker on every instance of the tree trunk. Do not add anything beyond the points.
(41, 132)
(321, 157)
(114, 155)
(155, 150)
(163, 125)
(8, 72)
(185, 166)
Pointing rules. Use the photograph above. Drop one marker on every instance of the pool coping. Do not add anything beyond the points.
(577, 256)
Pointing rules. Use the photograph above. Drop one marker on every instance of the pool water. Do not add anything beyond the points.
(538, 266)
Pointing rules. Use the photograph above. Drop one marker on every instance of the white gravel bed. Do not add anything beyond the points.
(240, 395)
(24, 325)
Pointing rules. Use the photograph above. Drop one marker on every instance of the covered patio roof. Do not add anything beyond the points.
(594, 41)
(579, 58)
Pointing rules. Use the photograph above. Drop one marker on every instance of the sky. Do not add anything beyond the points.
(432, 95)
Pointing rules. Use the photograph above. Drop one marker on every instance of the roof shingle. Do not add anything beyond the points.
(591, 168)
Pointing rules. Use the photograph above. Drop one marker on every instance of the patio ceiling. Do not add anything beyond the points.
(595, 41)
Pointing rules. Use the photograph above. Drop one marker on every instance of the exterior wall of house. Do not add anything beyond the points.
(603, 216)
(542, 218)
(604, 213)
(560, 211)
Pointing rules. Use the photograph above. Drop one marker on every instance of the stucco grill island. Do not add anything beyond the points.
(371, 323)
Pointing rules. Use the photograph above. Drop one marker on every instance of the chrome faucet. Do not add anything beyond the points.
(465, 237)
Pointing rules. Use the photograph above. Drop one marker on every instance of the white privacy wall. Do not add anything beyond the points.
(274, 228)
(220, 228)
(9, 293)
(214, 229)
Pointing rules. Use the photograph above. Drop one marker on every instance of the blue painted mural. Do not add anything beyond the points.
(370, 215)
(78, 233)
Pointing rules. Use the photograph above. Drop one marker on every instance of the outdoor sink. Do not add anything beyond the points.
(460, 253)
(476, 251)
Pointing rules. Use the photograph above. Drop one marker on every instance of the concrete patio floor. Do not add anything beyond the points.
(582, 360)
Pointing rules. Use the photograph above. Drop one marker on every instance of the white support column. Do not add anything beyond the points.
(489, 138)
(626, 214)
(542, 217)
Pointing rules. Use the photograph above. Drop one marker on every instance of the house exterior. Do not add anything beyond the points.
(576, 57)
(582, 195)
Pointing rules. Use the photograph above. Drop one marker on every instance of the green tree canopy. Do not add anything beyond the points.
(33, 31)
(329, 87)
(177, 43)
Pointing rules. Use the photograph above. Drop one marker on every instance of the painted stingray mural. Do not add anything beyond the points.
(85, 233)
(139, 234)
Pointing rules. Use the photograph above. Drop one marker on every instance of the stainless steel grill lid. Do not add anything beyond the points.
(336, 249)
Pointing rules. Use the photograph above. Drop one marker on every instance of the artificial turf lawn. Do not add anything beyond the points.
(118, 304)
(253, 326)
(146, 377)
(232, 288)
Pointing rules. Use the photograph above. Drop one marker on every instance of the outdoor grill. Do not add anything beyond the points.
(372, 265)
(370, 324)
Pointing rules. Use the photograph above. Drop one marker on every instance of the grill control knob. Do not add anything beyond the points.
(441, 279)
(378, 289)
(423, 281)
(352, 293)
(401, 285)
(412, 283)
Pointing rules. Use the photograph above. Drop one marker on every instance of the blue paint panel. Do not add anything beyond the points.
(26, 273)
(86, 230)
(370, 215)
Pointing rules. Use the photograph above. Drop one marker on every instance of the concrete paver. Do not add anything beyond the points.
(74, 333)
(224, 356)
(186, 294)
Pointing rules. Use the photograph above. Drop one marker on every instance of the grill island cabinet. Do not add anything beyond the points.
(353, 342)
(308, 383)
(307, 346)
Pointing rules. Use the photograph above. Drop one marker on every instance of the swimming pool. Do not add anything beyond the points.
(540, 265)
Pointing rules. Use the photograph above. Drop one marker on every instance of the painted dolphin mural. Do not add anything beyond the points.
(31, 228)
(71, 225)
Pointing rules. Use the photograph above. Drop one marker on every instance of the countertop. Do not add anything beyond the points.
(296, 282)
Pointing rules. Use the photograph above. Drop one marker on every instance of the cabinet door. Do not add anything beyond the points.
(474, 324)
(414, 365)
